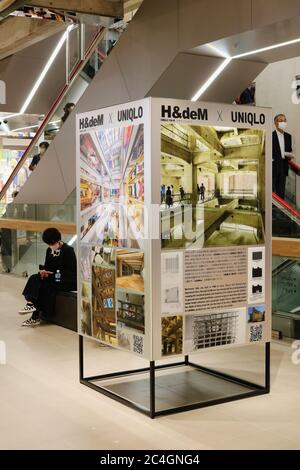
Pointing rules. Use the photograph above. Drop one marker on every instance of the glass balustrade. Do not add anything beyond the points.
(23, 250)
(286, 296)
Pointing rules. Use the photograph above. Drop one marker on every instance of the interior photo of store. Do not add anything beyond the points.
(215, 177)
(103, 303)
(112, 186)
(130, 270)
(130, 312)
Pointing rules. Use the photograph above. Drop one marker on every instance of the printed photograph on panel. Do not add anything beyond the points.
(130, 312)
(130, 270)
(256, 313)
(86, 259)
(212, 186)
(215, 329)
(171, 335)
(112, 186)
(103, 297)
(172, 282)
(86, 309)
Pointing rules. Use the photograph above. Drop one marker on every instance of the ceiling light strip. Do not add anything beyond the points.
(227, 61)
(45, 69)
(212, 78)
(268, 48)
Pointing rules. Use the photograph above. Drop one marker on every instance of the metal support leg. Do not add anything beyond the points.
(80, 357)
(267, 366)
(186, 360)
(152, 389)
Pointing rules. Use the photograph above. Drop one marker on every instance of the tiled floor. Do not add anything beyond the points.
(43, 406)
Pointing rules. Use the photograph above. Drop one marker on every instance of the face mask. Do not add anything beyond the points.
(282, 125)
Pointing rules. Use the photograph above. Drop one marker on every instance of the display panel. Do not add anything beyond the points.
(113, 253)
(174, 225)
(214, 163)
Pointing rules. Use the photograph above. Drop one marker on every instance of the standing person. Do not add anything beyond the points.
(169, 199)
(57, 274)
(36, 159)
(163, 193)
(248, 96)
(182, 193)
(202, 192)
(67, 111)
(282, 153)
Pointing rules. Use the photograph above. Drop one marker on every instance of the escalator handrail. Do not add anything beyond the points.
(286, 206)
(294, 167)
(81, 63)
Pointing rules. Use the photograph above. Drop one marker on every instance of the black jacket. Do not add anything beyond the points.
(277, 158)
(65, 263)
(34, 161)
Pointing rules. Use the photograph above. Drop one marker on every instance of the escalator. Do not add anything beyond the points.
(286, 213)
(78, 77)
(21, 225)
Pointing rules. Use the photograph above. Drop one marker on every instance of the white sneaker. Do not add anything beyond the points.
(31, 322)
(29, 308)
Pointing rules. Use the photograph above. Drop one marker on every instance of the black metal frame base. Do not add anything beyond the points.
(151, 411)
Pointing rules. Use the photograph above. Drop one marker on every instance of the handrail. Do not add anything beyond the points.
(81, 63)
(295, 167)
(286, 247)
(37, 225)
(286, 206)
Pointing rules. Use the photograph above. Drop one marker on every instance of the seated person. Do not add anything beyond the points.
(57, 274)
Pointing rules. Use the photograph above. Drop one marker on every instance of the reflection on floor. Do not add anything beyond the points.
(43, 363)
(134, 282)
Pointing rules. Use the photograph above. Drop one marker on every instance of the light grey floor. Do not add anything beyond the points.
(43, 406)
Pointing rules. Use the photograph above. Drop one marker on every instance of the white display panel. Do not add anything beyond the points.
(175, 226)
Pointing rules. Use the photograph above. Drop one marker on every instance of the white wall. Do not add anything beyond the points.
(274, 89)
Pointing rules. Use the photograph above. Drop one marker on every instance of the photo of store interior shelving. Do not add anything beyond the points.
(112, 186)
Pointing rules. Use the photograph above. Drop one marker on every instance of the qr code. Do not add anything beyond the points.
(256, 333)
(138, 344)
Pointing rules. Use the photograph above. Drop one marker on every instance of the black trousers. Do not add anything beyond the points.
(42, 293)
(279, 178)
